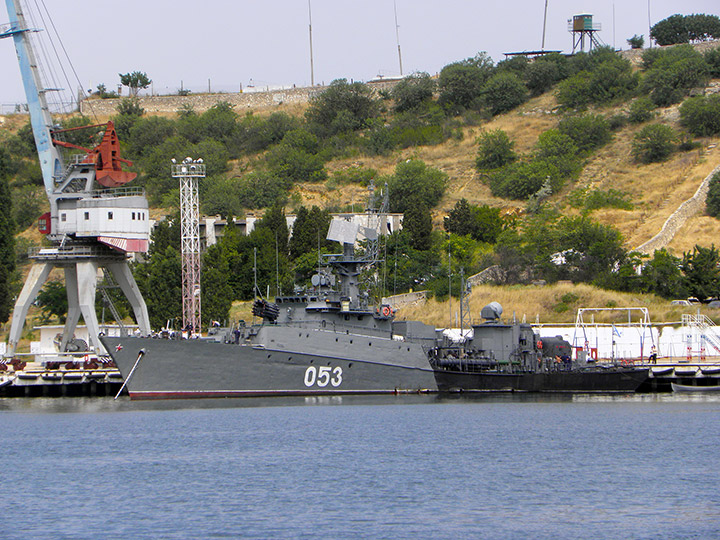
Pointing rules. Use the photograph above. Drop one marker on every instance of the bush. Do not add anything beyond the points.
(559, 149)
(604, 77)
(412, 92)
(461, 83)
(588, 132)
(544, 72)
(686, 28)
(415, 183)
(611, 198)
(712, 58)
(495, 150)
(655, 142)
(636, 42)
(503, 92)
(672, 73)
(701, 115)
(641, 110)
(341, 107)
(712, 203)
(522, 179)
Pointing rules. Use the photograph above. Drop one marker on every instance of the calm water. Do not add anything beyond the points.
(406, 467)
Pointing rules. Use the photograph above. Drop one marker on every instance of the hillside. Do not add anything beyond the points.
(250, 160)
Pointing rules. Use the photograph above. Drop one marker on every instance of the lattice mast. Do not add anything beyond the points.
(188, 172)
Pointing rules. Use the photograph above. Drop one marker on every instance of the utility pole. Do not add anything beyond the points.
(312, 69)
(397, 37)
(188, 172)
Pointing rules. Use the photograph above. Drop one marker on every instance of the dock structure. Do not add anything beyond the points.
(59, 377)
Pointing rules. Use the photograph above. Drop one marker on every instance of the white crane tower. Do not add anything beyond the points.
(94, 220)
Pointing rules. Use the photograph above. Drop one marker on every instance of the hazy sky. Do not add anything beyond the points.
(232, 43)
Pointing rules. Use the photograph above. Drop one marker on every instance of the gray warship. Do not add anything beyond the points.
(329, 340)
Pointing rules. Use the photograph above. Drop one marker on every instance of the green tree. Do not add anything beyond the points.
(296, 158)
(413, 92)
(52, 301)
(148, 133)
(482, 223)
(701, 269)
(685, 28)
(495, 150)
(712, 203)
(641, 110)
(7, 251)
(309, 232)
(415, 183)
(216, 291)
(654, 142)
(545, 72)
(417, 221)
(160, 278)
(503, 92)
(341, 108)
(663, 276)
(636, 42)
(460, 83)
(672, 73)
(135, 81)
(588, 132)
(701, 115)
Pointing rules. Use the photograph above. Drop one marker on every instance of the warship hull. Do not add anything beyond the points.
(199, 369)
(601, 380)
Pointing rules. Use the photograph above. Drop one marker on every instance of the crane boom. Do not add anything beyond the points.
(51, 161)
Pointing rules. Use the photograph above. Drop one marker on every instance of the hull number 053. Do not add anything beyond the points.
(322, 376)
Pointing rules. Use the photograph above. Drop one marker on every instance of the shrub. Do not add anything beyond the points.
(503, 92)
(461, 83)
(604, 77)
(559, 149)
(588, 132)
(672, 73)
(636, 42)
(495, 150)
(415, 183)
(611, 198)
(412, 92)
(641, 110)
(655, 142)
(701, 115)
(712, 58)
(341, 107)
(712, 203)
(520, 180)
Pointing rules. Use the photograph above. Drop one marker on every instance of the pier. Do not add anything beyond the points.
(59, 376)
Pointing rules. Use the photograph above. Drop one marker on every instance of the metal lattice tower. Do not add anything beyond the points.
(188, 172)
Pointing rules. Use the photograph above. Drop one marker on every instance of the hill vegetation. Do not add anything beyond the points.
(553, 169)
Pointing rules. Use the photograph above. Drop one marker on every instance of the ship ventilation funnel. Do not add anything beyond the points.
(492, 311)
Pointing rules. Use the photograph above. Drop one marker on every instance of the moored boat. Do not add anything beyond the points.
(695, 388)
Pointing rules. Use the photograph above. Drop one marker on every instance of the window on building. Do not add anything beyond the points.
(63, 217)
(87, 216)
(133, 216)
(110, 215)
